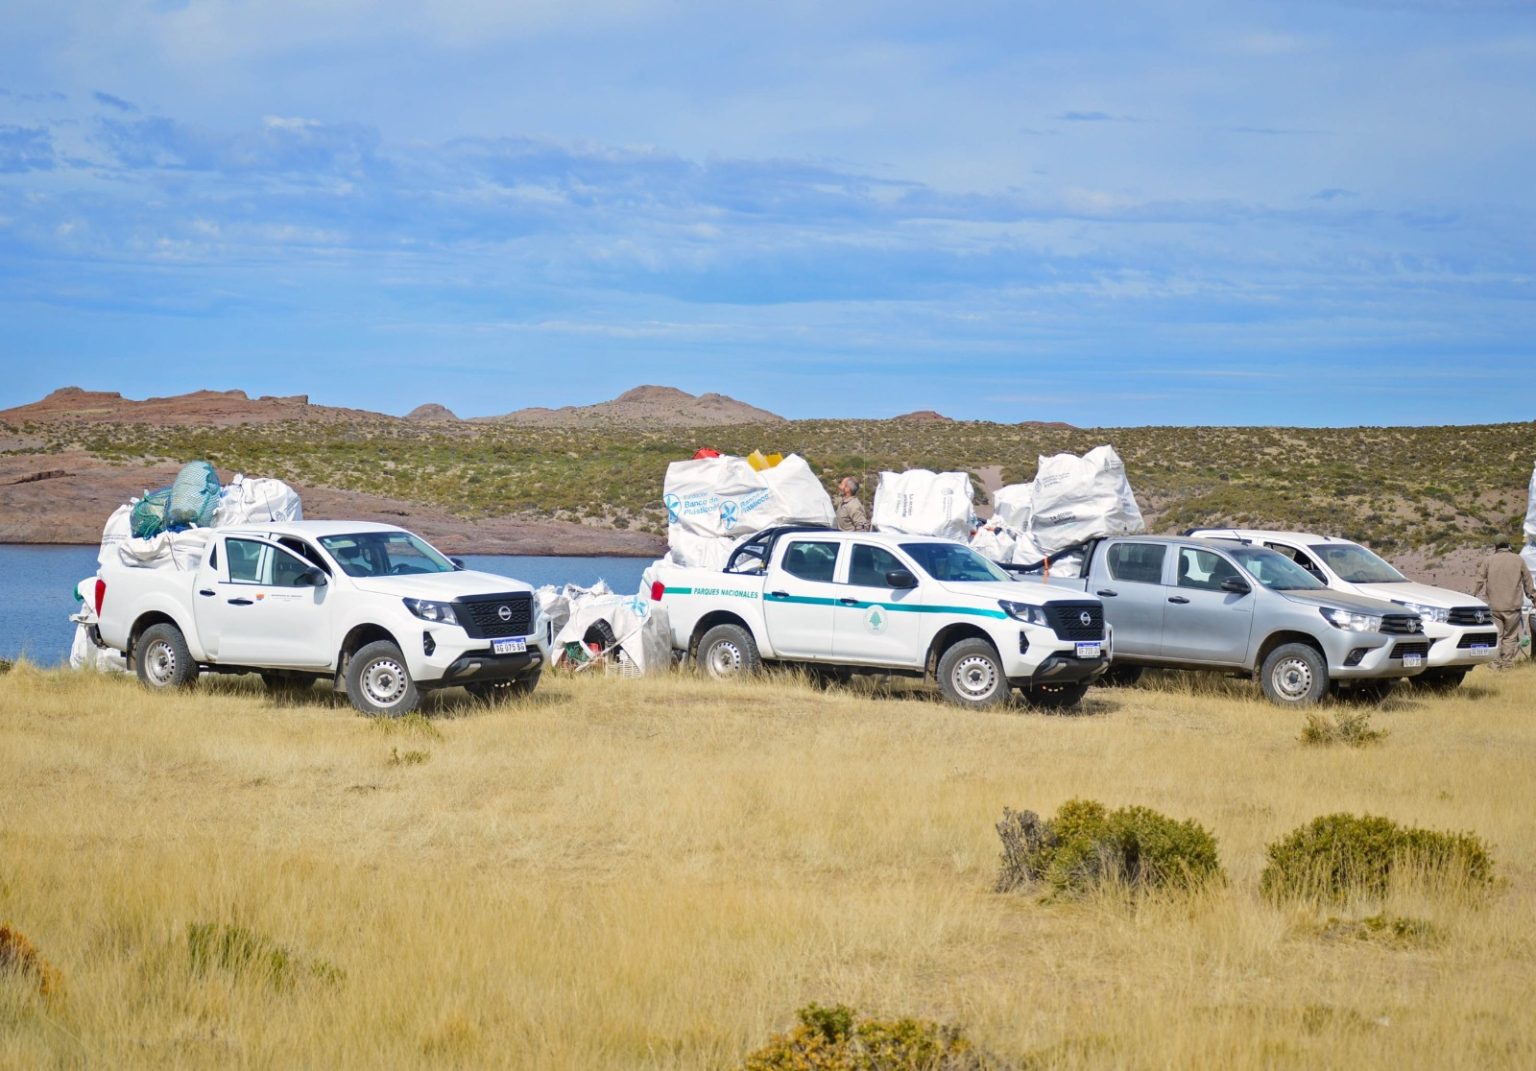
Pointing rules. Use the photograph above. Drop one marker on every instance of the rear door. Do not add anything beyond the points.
(799, 597)
(257, 613)
(1204, 623)
(874, 623)
(1131, 584)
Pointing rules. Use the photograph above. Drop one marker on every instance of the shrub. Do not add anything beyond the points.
(1394, 931)
(1086, 846)
(1341, 727)
(19, 958)
(835, 1039)
(1337, 855)
(243, 952)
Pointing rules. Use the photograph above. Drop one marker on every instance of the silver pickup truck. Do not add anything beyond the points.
(1214, 604)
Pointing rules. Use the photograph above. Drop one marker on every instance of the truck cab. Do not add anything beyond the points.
(1459, 627)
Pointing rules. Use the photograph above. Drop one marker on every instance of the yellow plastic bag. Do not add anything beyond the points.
(759, 461)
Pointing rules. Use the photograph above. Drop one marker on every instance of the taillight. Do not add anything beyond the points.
(101, 593)
(658, 589)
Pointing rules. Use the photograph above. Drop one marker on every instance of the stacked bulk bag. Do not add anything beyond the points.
(641, 637)
(920, 502)
(1528, 552)
(714, 502)
(248, 500)
(1075, 499)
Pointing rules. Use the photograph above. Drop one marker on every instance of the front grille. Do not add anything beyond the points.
(1471, 615)
(1067, 619)
(1402, 650)
(482, 615)
(1478, 639)
(1402, 624)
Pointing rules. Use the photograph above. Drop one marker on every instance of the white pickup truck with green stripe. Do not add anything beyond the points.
(885, 603)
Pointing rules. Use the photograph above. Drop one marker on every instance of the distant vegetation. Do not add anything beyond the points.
(1393, 488)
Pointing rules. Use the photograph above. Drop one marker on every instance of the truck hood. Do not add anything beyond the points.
(1015, 591)
(1409, 591)
(440, 587)
(1344, 601)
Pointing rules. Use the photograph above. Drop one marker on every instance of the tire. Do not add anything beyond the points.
(728, 651)
(163, 660)
(601, 633)
(971, 675)
(1121, 676)
(379, 683)
(1439, 680)
(499, 691)
(1294, 675)
(1055, 696)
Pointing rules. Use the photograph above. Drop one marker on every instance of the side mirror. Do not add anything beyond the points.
(313, 578)
(900, 578)
(458, 563)
(1236, 585)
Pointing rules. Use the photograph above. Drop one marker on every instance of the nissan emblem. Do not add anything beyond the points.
(504, 612)
(1086, 618)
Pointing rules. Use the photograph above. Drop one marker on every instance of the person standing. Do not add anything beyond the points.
(1504, 582)
(850, 511)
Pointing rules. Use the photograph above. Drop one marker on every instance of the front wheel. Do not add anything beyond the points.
(727, 651)
(1294, 674)
(971, 674)
(378, 682)
(163, 659)
(1055, 696)
(497, 691)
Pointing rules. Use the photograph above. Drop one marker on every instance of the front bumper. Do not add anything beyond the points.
(1368, 655)
(1037, 655)
(1461, 645)
(442, 656)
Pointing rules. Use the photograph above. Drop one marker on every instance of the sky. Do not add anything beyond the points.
(1300, 212)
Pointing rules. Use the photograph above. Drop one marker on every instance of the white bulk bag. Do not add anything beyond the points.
(1013, 504)
(995, 541)
(118, 528)
(248, 499)
(1530, 513)
(1080, 498)
(713, 502)
(168, 550)
(639, 626)
(84, 654)
(919, 502)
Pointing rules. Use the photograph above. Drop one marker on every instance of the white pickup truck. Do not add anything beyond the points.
(885, 603)
(370, 607)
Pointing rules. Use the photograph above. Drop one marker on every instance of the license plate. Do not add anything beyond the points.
(509, 646)
(1089, 650)
(1412, 660)
(1481, 648)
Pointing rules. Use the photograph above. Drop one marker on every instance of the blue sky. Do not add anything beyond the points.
(1297, 212)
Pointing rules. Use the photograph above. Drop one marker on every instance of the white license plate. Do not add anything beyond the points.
(509, 646)
(1480, 648)
(1412, 660)
(1089, 650)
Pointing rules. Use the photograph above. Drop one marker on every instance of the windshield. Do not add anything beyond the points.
(953, 561)
(1355, 564)
(384, 554)
(1274, 570)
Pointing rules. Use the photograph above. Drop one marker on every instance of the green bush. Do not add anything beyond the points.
(835, 1039)
(1352, 727)
(243, 952)
(1086, 846)
(1339, 855)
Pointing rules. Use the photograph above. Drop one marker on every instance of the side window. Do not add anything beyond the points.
(1300, 558)
(1140, 562)
(244, 560)
(305, 551)
(868, 565)
(1203, 569)
(286, 569)
(811, 561)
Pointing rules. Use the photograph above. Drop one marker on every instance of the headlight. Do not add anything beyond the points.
(1025, 612)
(1352, 622)
(1429, 613)
(438, 612)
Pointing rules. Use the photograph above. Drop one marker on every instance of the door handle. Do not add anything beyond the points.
(241, 602)
(1106, 593)
(205, 591)
(849, 602)
(778, 594)
(1177, 598)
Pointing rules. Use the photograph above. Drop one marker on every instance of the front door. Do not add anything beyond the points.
(799, 597)
(874, 623)
(1204, 623)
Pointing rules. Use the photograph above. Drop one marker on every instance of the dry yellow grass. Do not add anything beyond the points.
(657, 873)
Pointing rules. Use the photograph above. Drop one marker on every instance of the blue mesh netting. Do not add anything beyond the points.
(148, 517)
(194, 495)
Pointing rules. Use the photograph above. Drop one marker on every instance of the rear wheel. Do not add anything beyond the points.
(378, 682)
(1055, 696)
(727, 651)
(497, 691)
(162, 658)
(971, 674)
(1294, 675)
(1439, 680)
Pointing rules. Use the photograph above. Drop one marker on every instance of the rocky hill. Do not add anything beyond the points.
(647, 405)
(215, 408)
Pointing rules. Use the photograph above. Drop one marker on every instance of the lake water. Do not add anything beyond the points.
(37, 589)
